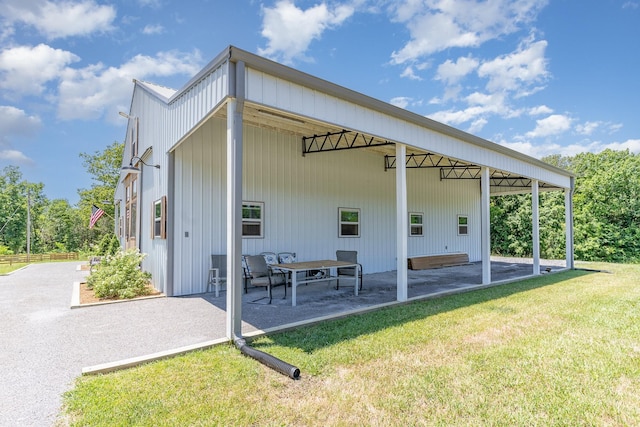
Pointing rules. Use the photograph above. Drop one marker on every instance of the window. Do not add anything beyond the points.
(349, 222)
(131, 211)
(160, 218)
(415, 224)
(253, 220)
(463, 225)
(133, 138)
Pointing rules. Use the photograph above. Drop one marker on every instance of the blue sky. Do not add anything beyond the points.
(539, 76)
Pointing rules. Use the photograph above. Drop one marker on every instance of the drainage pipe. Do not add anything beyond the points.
(267, 359)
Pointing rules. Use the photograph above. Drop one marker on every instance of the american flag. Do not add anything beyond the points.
(96, 213)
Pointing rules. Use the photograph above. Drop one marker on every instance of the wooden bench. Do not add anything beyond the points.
(424, 262)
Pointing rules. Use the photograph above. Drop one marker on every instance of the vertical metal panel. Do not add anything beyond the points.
(302, 196)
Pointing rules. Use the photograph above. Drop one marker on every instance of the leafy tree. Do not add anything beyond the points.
(104, 166)
(57, 231)
(14, 195)
(606, 211)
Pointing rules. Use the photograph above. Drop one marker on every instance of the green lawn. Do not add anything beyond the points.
(8, 268)
(562, 349)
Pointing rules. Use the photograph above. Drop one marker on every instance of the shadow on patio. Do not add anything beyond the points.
(322, 301)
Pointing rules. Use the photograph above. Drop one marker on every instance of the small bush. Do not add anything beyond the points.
(120, 276)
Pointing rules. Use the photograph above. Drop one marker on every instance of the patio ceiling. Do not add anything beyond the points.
(320, 137)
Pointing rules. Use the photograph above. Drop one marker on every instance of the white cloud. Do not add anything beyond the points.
(90, 92)
(477, 125)
(153, 29)
(480, 106)
(524, 67)
(400, 101)
(543, 150)
(587, 128)
(451, 72)
(15, 122)
(539, 110)
(24, 70)
(437, 25)
(15, 156)
(290, 30)
(553, 125)
(59, 19)
(410, 74)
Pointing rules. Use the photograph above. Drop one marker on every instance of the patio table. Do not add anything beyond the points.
(306, 266)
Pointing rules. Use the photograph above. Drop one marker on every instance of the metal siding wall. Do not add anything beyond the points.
(301, 197)
(441, 202)
(161, 127)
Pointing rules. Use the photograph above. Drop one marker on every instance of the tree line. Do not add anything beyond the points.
(56, 225)
(606, 212)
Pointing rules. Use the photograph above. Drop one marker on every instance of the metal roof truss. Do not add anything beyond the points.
(342, 140)
(455, 169)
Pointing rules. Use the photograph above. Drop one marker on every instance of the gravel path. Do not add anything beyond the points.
(44, 344)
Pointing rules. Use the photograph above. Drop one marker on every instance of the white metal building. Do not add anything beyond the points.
(298, 152)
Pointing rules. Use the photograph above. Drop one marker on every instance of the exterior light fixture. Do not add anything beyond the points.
(123, 114)
(134, 169)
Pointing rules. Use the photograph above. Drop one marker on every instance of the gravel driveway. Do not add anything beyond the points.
(44, 344)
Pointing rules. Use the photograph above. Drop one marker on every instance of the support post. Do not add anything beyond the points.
(402, 222)
(535, 231)
(486, 225)
(234, 205)
(568, 218)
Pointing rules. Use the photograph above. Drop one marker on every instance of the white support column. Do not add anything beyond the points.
(568, 218)
(535, 230)
(234, 206)
(486, 226)
(402, 221)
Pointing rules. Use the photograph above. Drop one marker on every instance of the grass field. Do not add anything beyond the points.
(9, 268)
(562, 349)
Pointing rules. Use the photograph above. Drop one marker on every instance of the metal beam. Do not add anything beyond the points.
(422, 161)
(343, 140)
(456, 169)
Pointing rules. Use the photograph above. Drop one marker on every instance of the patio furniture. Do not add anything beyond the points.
(262, 275)
(217, 273)
(322, 265)
(288, 258)
(351, 257)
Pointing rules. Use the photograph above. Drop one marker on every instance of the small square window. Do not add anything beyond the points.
(463, 225)
(415, 224)
(253, 220)
(349, 222)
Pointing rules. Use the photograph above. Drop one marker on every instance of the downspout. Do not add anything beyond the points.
(235, 108)
(267, 359)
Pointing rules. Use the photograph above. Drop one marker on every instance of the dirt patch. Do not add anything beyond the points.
(87, 296)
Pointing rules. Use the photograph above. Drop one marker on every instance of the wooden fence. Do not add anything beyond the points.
(24, 258)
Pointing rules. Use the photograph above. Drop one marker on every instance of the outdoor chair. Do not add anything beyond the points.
(271, 259)
(261, 275)
(217, 273)
(288, 258)
(351, 257)
(245, 272)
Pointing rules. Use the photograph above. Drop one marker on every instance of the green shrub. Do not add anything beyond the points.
(120, 276)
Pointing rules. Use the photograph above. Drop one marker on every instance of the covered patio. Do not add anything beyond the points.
(321, 301)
